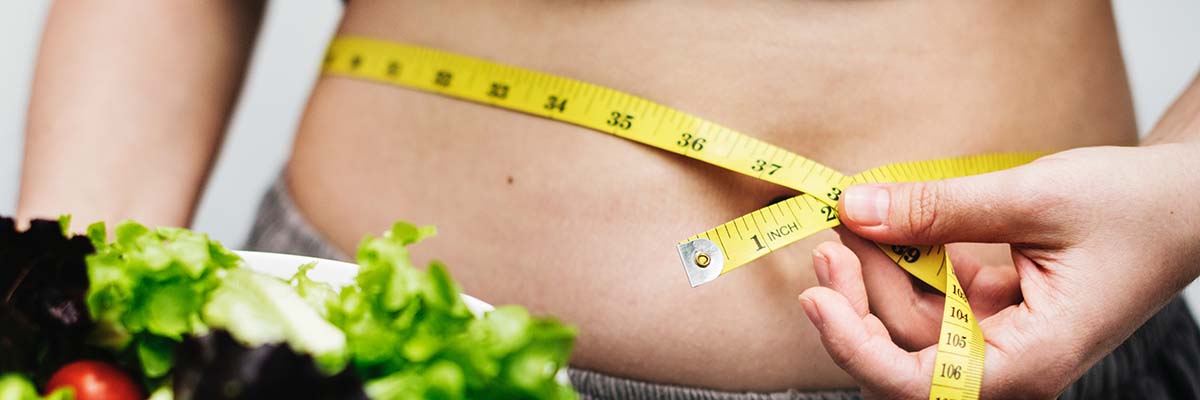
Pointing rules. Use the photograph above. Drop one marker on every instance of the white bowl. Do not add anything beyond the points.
(335, 273)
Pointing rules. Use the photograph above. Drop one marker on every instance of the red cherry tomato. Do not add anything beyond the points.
(94, 380)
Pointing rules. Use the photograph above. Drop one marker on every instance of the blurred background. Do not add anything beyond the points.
(1160, 40)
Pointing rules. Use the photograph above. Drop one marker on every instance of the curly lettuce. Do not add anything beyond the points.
(149, 286)
(318, 295)
(410, 334)
(17, 387)
(404, 331)
(260, 309)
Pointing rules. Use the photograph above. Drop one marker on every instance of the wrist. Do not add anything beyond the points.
(85, 210)
(1181, 122)
(1177, 164)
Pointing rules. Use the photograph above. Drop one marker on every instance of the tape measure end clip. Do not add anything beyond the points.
(702, 260)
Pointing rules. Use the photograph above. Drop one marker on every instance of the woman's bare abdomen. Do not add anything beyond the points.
(582, 225)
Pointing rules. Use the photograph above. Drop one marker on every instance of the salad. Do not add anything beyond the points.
(167, 313)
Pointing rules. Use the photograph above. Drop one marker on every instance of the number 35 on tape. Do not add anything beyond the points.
(958, 367)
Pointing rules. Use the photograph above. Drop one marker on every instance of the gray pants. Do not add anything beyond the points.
(1160, 361)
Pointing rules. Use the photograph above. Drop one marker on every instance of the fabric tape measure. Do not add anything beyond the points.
(958, 366)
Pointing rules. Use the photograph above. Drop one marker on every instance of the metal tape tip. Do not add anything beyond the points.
(702, 260)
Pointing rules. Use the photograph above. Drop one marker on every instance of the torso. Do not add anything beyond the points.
(582, 225)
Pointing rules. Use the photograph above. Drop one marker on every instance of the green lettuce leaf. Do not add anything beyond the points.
(17, 387)
(97, 233)
(319, 295)
(439, 380)
(64, 222)
(395, 313)
(259, 309)
(410, 334)
(150, 285)
(403, 330)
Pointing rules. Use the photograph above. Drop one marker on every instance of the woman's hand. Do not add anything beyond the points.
(1101, 239)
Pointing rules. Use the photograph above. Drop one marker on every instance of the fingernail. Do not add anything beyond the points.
(867, 205)
(821, 267)
(810, 309)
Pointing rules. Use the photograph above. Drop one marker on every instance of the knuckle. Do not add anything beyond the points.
(855, 357)
(1039, 195)
(1043, 202)
(924, 208)
(846, 355)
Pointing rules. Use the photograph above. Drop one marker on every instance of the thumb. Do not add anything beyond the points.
(1000, 207)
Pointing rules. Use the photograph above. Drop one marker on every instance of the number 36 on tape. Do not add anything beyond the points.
(958, 369)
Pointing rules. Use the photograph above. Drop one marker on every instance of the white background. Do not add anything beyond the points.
(1160, 38)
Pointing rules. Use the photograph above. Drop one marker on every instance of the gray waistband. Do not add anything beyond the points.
(1160, 361)
(595, 385)
(279, 227)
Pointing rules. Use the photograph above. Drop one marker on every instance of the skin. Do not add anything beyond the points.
(1094, 262)
(545, 214)
(99, 102)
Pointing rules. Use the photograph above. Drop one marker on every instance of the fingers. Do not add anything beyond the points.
(861, 346)
(838, 268)
(911, 314)
(992, 289)
(909, 310)
(991, 208)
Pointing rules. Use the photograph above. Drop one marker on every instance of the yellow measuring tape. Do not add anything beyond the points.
(958, 366)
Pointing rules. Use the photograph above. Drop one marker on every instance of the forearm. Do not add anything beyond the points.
(1176, 166)
(129, 102)
(1181, 122)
